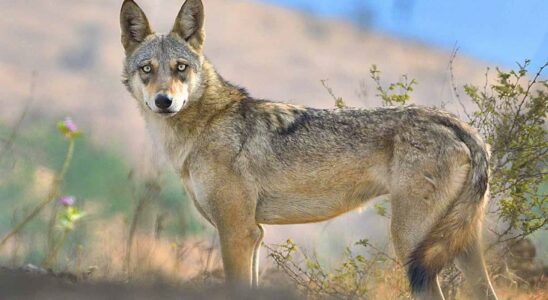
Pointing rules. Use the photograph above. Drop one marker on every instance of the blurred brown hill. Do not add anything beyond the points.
(74, 49)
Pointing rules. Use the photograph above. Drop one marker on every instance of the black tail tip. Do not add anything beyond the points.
(420, 277)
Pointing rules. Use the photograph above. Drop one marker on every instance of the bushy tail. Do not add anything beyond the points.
(460, 225)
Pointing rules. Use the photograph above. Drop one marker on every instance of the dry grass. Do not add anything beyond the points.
(195, 262)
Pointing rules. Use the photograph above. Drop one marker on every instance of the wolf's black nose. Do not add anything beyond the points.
(162, 101)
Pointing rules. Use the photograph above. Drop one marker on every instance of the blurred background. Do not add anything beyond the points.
(63, 58)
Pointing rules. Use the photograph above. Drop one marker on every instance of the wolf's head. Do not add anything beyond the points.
(163, 72)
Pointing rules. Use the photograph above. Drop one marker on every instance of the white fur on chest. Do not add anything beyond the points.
(168, 141)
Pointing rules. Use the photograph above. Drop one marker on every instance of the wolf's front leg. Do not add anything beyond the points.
(255, 266)
(237, 248)
(233, 209)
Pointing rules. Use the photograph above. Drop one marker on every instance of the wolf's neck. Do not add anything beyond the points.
(213, 96)
(177, 135)
(216, 90)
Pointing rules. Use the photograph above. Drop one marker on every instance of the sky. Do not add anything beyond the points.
(498, 31)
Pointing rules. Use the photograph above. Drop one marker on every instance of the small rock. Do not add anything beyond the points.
(30, 268)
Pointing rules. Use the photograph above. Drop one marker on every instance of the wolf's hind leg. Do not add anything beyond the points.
(470, 262)
(409, 225)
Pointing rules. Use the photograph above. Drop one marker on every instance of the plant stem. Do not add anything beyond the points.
(52, 195)
(52, 257)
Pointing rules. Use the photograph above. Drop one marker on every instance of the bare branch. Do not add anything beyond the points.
(453, 84)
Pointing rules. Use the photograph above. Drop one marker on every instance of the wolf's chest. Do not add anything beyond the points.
(168, 141)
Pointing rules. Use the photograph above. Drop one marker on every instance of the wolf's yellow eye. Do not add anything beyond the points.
(181, 67)
(146, 69)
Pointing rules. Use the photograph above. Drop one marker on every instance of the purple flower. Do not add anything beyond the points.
(68, 128)
(66, 201)
(69, 124)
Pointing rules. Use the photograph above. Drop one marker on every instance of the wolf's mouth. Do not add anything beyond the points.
(166, 113)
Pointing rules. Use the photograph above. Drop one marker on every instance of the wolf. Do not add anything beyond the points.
(246, 162)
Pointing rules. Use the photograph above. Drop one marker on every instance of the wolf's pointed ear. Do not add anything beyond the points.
(134, 24)
(189, 24)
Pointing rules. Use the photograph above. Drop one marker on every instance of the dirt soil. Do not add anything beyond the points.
(43, 285)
